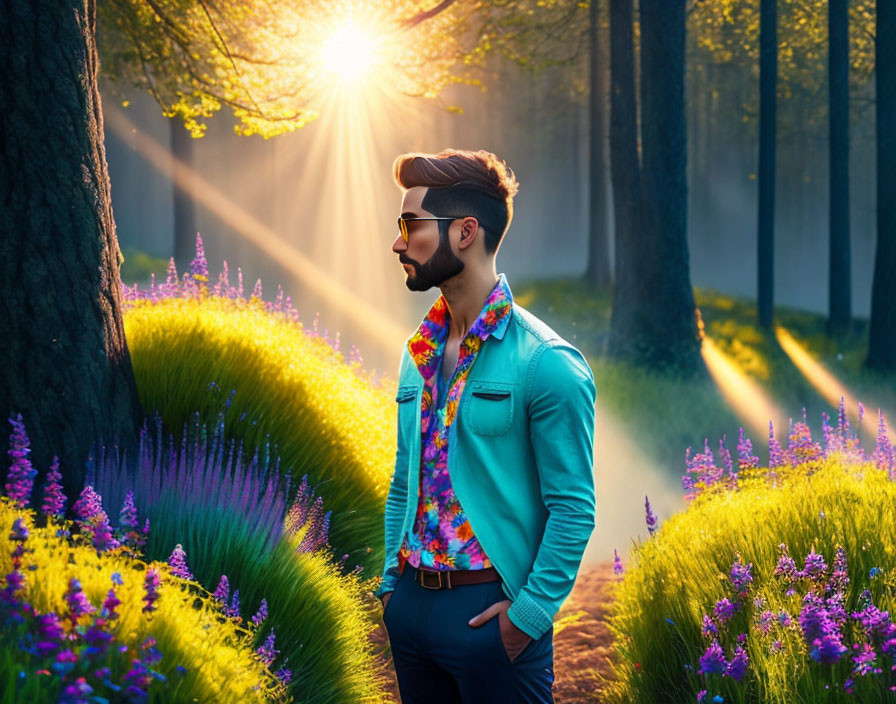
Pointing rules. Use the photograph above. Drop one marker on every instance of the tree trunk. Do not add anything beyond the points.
(184, 208)
(668, 334)
(598, 271)
(768, 75)
(625, 177)
(64, 363)
(882, 327)
(839, 279)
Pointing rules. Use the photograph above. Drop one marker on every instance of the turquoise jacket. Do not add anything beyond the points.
(520, 455)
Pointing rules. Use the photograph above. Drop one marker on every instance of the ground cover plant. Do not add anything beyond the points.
(775, 584)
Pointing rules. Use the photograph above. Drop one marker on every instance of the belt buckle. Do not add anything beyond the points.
(438, 574)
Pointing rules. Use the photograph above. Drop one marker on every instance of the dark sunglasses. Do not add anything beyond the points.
(403, 224)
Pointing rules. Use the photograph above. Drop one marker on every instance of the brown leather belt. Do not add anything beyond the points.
(446, 579)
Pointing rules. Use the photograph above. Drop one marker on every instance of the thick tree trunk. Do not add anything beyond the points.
(839, 278)
(768, 75)
(882, 328)
(64, 362)
(668, 334)
(598, 270)
(625, 175)
(184, 208)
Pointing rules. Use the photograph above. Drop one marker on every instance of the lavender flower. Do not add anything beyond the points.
(713, 660)
(618, 569)
(827, 649)
(199, 266)
(222, 593)
(267, 652)
(745, 457)
(48, 633)
(20, 479)
(883, 452)
(651, 518)
(724, 610)
(77, 602)
(776, 456)
(815, 566)
(151, 585)
(54, 497)
(178, 563)
(261, 614)
(866, 660)
(800, 447)
(234, 610)
(709, 628)
(738, 665)
(741, 576)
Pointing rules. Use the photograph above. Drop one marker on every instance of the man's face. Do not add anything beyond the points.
(427, 257)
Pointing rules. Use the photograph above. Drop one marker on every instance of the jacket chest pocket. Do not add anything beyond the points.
(406, 401)
(488, 407)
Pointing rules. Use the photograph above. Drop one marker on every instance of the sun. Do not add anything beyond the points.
(349, 53)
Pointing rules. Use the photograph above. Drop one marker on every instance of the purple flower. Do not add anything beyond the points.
(730, 472)
(724, 609)
(766, 619)
(284, 675)
(741, 576)
(77, 602)
(800, 447)
(267, 652)
(745, 457)
(776, 456)
(109, 606)
(618, 569)
(827, 649)
(89, 504)
(815, 566)
(651, 518)
(883, 452)
(48, 633)
(178, 563)
(713, 660)
(786, 569)
(262, 613)
(20, 479)
(199, 266)
(151, 585)
(234, 610)
(709, 627)
(702, 472)
(15, 584)
(54, 498)
(814, 619)
(738, 665)
(223, 591)
(840, 575)
(866, 660)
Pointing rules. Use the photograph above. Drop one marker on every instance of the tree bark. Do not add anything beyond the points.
(184, 208)
(882, 326)
(768, 75)
(64, 362)
(839, 278)
(668, 336)
(625, 175)
(598, 272)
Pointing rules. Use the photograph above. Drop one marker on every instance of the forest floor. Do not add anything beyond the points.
(581, 649)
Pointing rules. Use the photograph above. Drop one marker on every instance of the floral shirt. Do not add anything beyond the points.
(441, 537)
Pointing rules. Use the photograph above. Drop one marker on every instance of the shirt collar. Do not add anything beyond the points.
(426, 344)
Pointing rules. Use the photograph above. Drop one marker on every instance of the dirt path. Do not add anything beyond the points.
(580, 648)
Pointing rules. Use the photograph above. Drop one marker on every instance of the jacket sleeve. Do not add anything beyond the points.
(561, 397)
(396, 503)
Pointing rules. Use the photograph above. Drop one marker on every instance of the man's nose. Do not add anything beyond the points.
(398, 244)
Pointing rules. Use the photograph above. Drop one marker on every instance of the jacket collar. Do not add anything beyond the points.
(426, 344)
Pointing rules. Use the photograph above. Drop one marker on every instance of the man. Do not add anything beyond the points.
(491, 503)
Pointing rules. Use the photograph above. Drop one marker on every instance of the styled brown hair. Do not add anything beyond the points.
(463, 183)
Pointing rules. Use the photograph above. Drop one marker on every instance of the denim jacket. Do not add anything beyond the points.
(521, 462)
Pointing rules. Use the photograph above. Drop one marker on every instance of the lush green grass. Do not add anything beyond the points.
(667, 415)
(683, 570)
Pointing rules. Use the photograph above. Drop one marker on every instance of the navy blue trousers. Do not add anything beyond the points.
(440, 659)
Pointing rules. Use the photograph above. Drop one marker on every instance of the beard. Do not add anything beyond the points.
(440, 267)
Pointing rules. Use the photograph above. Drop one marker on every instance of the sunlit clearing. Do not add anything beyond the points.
(380, 329)
(741, 392)
(827, 384)
(348, 53)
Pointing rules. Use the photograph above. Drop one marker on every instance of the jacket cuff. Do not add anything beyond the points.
(390, 579)
(529, 617)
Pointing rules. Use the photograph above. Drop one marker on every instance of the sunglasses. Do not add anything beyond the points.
(403, 224)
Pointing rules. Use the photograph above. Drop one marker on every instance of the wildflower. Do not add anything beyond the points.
(151, 585)
(77, 602)
(284, 675)
(709, 627)
(815, 566)
(234, 610)
(827, 649)
(19, 534)
(267, 652)
(883, 452)
(713, 660)
(730, 474)
(776, 647)
(738, 665)
(116, 578)
(865, 660)
(109, 606)
(814, 619)
(223, 591)
(724, 609)
(178, 563)
(766, 618)
(741, 576)
(618, 569)
(199, 266)
(127, 520)
(800, 447)
(874, 572)
(776, 456)
(48, 633)
(701, 696)
(54, 498)
(651, 517)
(262, 613)
(745, 457)
(10, 594)
(20, 478)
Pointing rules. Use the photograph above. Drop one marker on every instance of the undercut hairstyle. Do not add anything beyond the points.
(462, 184)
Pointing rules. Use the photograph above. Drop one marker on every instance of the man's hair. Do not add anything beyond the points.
(461, 184)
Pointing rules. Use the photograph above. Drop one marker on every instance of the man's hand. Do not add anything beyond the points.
(513, 638)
